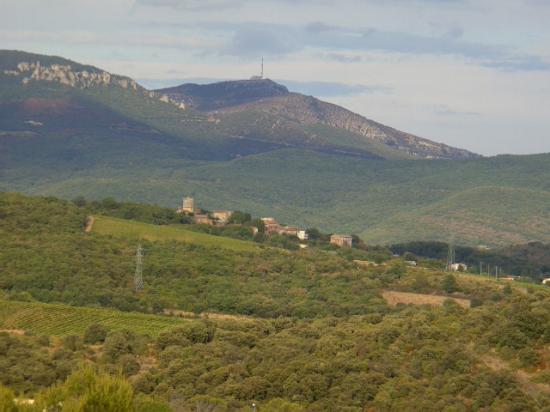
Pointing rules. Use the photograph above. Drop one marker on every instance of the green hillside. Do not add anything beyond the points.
(117, 140)
(494, 201)
(322, 332)
(137, 230)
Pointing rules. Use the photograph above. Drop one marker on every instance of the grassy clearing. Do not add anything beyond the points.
(61, 320)
(393, 298)
(132, 229)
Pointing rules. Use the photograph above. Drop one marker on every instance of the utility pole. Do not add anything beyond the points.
(480, 267)
(450, 255)
(138, 276)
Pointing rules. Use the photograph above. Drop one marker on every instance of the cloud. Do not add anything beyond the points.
(137, 40)
(444, 110)
(254, 39)
(197, 5)
(518, 63)
(320, 27)
(342, 58)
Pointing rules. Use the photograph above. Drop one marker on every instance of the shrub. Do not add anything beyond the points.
(449, 284)
(7, 402)
(85, 390)
(95, 334)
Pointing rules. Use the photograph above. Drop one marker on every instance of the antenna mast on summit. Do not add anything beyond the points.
(262, 70)
(451, 254)
(138, 276)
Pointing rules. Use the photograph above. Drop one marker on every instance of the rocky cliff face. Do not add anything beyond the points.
(266, 96)
(65, 75)
(309, 110)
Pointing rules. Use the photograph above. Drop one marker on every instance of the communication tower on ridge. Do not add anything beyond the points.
(261, 76)
(451, 254)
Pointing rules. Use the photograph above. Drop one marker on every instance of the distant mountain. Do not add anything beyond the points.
(265, 97)
(222, 95)
(69, 129)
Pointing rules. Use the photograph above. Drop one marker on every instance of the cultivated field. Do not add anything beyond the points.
(393, 298)
(128, 228)
(61, 320)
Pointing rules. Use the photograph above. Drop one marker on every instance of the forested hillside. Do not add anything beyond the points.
(71, 130)
(301, 331)
(495, 201)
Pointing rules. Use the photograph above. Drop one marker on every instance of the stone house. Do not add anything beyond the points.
(341, 240)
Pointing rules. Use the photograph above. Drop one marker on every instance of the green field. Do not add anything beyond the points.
(130, 229)
(61, 320)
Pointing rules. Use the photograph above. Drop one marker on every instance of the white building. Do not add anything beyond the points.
(459, 267)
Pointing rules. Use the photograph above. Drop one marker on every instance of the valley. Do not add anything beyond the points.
(308, 329)
(113, 299)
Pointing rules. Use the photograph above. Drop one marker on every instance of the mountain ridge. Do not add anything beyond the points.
(103, 139)
(224, 98)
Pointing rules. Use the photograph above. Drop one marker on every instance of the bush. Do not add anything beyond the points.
(95, 334)
(85, 390)
(529, 357)
(449, 284)
(72, 342)
(281, 405)
(194, 332)
(7, 402)
(129, 365)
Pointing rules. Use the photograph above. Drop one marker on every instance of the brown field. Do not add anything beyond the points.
(393, 298)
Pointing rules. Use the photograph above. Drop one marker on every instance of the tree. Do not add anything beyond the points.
(281, 405)
(95, 334)
(109, 203)
(7, 400)
(72, 342)
(240, 218)
(449, 284)
(129, 364)
(79, 201)
(209, 404)
(88, 391)
(507, 290)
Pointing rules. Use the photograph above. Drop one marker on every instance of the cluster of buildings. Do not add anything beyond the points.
(272, 226)
(222, 217)
(215, 218)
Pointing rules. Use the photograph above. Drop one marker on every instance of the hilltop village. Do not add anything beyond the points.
(271, 226)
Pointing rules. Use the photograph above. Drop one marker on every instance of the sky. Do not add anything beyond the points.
(474, 74)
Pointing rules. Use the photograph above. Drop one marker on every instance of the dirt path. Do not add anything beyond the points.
(13, 331)
(89, 224)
